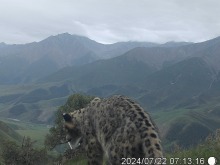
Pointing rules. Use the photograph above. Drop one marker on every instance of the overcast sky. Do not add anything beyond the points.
(109, 21)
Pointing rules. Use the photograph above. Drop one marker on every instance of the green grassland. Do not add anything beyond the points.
(36, 132)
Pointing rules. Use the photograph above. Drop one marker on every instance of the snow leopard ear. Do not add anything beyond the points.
(67, 117)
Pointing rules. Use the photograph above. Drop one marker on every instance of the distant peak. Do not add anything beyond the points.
(64, 34)
(70, 35)
(66, 38)
(67, 35)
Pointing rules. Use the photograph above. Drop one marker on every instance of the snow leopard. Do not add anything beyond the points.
(116, 129)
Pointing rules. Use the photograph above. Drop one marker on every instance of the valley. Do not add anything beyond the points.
(177, 83)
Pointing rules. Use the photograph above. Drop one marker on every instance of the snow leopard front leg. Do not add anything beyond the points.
(94, 152)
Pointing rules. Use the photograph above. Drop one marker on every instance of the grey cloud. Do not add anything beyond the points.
(110, 21)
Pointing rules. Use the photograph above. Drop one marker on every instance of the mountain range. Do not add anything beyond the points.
(24, 63)
(28, 62)
(179, 83)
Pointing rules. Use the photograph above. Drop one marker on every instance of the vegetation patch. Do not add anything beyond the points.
(208, 148)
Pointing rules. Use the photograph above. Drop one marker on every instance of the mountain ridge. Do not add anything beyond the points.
(24, 63)
(178, 84)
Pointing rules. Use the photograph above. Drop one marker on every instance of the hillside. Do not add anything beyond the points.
(116, 71)
(8, 133)
(178, 85)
